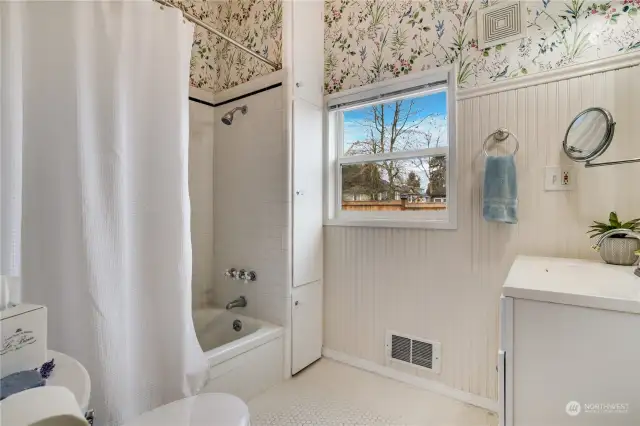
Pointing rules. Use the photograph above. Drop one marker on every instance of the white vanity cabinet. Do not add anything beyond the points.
(303, 35)
(570, 344)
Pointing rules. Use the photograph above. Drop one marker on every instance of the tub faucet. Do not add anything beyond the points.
(627, 232)
(240, 302)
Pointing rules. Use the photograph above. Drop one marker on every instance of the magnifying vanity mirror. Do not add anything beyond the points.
(588, 137)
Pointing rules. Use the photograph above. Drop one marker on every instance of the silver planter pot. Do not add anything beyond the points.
(619, 251)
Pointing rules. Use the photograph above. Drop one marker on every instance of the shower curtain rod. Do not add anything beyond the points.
(209, 28)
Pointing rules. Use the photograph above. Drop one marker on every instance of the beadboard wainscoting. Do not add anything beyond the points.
(445, 285)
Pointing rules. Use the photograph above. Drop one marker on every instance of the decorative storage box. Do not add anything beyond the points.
(23, 338)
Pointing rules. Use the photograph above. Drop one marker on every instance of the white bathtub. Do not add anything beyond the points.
(245, 362)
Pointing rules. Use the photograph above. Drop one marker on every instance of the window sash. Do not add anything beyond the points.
(398, 155)
(385, 216)
(386, 94)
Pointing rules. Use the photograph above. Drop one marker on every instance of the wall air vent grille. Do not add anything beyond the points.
(422, 354)
(414, 351)
(401, 348)
(501, 24)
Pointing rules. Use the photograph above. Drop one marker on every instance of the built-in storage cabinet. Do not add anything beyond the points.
(303, 30)
(308, 50)
(306, 339)
(307, 195)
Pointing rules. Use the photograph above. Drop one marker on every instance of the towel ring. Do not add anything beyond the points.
(500, 135)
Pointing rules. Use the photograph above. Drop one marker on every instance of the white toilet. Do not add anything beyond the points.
(207, 409)
(68, 393)
(57, 406)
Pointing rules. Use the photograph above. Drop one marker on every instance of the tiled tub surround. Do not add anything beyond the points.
(251, 205)
(239, 201)
(229, 179)
(201, 140)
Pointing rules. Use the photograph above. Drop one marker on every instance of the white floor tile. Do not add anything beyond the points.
(329, 393)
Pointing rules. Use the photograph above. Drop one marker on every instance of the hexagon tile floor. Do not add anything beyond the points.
(333, 394)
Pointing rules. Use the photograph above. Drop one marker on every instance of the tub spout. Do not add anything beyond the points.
(240, 302)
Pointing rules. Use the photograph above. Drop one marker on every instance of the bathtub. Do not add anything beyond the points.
(245, 355)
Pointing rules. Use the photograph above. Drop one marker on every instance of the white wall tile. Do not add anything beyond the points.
(201, 131)
(251, 206)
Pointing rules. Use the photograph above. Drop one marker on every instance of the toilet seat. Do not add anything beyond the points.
(207, 409)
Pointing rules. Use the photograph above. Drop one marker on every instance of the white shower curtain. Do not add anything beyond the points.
(94, 150)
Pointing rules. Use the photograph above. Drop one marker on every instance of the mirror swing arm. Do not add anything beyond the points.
(579, 155)
(612, 163)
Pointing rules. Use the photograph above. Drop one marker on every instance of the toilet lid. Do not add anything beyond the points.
(207, 409)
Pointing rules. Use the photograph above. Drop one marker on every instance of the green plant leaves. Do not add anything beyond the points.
(632, 224)
(613, 220)
(599, 228)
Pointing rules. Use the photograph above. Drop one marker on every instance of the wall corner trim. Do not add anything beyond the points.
(430, 385)
(593, 67)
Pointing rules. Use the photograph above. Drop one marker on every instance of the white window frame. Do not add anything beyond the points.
(334, 215)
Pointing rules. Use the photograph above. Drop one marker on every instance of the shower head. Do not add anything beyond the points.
(228, 117)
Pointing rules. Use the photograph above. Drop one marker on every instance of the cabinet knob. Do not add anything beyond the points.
(298, 84)
(296, 303)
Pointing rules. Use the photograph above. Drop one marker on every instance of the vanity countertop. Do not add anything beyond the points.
(574, 282)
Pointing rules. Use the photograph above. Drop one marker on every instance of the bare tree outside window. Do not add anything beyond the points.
(395, 184)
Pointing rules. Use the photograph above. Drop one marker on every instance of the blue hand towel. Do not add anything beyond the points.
(500, 190)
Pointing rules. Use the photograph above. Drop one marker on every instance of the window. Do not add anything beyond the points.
(391, 152)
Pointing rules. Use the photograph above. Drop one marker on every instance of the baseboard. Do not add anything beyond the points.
(430, 385)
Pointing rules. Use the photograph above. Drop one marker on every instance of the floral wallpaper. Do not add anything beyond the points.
(372, 40)
(215, 64)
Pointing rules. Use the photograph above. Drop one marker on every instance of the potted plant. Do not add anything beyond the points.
(617, 249)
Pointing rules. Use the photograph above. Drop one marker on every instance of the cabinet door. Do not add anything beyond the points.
(308, 50)
(306, 318)
(502, 365)
(307, 196)
(505, 363)
(570, 358)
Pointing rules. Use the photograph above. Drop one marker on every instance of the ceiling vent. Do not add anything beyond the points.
(501, 23)
(414, 351)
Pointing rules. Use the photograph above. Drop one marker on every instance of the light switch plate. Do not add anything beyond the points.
(559, 178)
